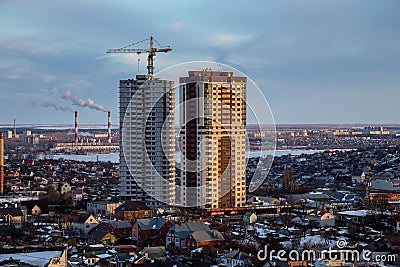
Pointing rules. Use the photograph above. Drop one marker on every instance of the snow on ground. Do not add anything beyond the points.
(40, 259)
(310, 241)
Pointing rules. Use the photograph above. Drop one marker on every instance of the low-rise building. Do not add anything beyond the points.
(192, 235)
(150, 231)
(12, 216)
(322, 218)
(132, 210)
(250, 217)
(102, 208)
(84, 224)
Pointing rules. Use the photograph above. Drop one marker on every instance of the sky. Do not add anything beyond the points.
(315, 61)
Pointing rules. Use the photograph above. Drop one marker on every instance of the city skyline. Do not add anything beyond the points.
(316, 62)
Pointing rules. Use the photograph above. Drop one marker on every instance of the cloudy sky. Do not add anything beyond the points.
(315, 61)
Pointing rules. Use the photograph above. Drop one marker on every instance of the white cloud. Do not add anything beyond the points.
(230, 39)
(47, 78)
(26, 47)
(19, 72)
(176, 25)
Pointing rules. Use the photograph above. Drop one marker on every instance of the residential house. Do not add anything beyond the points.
(56, 257)
(77, 194)
(179, 233)
(90, 259)
(84, 223)
(132, 210)
(104, 237)
(263, 201)
(396, 225)
(351, 217)
(102, 208)
(322, 218)
(12, 216)
(34, 208)
(154, 252)
(249, 217)
(65, 188)
(203, 238)
(236, 258)
(150, 231)
(120, 229)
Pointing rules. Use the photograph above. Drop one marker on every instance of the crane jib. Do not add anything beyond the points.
(152, 52)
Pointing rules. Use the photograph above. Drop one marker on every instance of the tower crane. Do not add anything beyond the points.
(151, 50)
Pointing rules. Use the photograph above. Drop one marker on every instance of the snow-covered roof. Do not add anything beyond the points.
(40, 259)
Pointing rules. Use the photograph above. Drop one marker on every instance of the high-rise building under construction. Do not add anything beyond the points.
(147, 148)
(213, 136)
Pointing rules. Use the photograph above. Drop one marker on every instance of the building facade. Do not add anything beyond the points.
(147, 143)
(213, 139)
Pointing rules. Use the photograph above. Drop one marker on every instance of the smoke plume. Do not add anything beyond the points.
(57, 106)
(82, 103)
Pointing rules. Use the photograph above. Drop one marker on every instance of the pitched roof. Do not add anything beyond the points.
(42, 204)
(11, 211)
(201, 236)
(97, 235)
(151, 223)
(114, 224)
(83, 217)
(40, 259)
(191, 226)
(132, 206)
(120, 224)
(199, 231)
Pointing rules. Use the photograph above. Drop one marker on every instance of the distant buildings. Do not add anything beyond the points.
(213, 121)
(1, 162)
(147, 145)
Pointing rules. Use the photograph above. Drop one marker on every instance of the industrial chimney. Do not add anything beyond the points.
(76, 127)
(1, 163)
(15, 129)
(109, 127)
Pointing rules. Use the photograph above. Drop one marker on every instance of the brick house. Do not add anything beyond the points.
(84, 223)
(120, 229)
(150, 231)
(132, 210)
(192, 235)
(203, 238)
(12, 215)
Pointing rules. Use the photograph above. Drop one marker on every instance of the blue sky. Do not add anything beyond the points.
(315, 61)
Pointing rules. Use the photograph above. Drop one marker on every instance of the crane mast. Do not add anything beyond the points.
(151, 53)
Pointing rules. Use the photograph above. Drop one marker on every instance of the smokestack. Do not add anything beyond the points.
(1, 163)
(15, 129)
(109, 127)
(76, 127)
